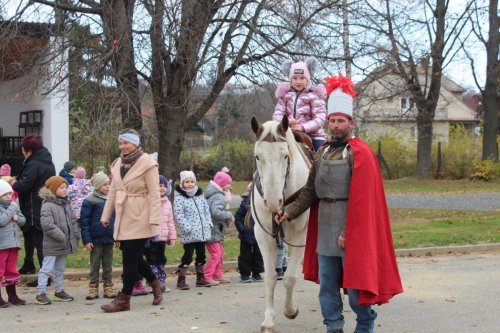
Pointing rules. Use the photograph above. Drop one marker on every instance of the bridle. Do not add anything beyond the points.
(277, 230)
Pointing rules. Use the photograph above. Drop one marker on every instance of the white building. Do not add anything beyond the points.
(33, 92)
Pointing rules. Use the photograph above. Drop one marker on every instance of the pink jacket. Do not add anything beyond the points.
(307, 107)
(166, 228)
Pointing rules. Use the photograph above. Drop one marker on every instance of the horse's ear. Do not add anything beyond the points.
(283, 126)
(256, 127)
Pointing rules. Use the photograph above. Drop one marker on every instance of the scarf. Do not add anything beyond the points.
(129, 160)
(100, 195)
(5, 203)
(191, 192)
(341, 143)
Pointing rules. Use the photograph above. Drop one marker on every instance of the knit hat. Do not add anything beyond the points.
(306, 68)
(187, 174)
(54, 182)
(99, 179)
(4, 187)
(341, 94)
(167, 183)
(80, 173)
(68, 166)
(222, 179)
(5, 170)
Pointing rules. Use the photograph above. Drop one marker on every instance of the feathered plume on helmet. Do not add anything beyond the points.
(341, 94)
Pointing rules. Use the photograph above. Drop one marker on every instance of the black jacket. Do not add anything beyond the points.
(36, 170)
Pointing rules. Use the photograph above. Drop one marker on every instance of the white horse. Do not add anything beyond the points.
(282, 172)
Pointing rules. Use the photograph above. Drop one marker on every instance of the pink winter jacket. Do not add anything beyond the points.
(307, 107)
(166, 228)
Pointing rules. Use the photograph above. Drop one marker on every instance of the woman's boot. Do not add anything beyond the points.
(181, 278)
(13, 298)
(120, 303)
(158, 289)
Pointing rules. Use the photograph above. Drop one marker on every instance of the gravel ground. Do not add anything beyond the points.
(470, 201)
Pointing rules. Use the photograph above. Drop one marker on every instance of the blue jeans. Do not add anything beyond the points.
(317, 144)
(330, 300)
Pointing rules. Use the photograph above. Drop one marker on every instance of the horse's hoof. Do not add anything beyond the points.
(264, 329)
(292, 316)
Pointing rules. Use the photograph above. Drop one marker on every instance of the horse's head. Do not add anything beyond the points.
(272, 160)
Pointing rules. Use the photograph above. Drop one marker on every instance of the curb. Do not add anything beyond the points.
(82, 274)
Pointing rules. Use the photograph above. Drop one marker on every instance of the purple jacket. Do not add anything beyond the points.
(307, 107)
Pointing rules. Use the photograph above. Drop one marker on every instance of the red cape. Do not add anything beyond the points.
(370, 261)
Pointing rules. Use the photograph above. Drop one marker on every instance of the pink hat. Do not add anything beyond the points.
(299, 68)
(222, 179)
(80, 173)
(5, 170)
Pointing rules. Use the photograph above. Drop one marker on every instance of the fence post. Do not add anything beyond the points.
(439, 161)
(382, 161)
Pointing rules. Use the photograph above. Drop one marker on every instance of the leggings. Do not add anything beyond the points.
(134, 264)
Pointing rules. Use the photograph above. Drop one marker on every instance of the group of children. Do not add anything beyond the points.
(73, 207)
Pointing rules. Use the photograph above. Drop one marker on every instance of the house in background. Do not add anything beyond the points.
(384, 106)
(30, 101)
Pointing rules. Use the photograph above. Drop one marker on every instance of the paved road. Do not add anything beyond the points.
(443, 294)
(470, 201)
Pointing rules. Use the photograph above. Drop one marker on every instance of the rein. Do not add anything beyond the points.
(277, 229)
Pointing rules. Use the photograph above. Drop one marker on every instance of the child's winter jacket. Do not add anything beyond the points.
(192, 214)
(60, 227)
(90, 222)
(246, 234)
(77, 192)
(166, 228)
(9, 230)
(220, 216)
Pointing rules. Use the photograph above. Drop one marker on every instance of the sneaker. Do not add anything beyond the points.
(222, 280)
(62, 297)
(139, 289)
(42, 299)
(211, 283)
(245, 279)
(257, 278)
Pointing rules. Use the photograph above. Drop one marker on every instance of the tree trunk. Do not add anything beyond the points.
(490, 93)
(117, 17)
(424, 146)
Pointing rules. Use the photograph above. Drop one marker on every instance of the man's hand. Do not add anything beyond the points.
(89, 246)
(341, 241)
(281, 217)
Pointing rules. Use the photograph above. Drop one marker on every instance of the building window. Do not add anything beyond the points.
(406, 104)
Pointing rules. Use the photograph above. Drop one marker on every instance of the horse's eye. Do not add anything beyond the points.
(257, 157)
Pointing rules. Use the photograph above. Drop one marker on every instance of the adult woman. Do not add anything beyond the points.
(37, 168)
(135, 197)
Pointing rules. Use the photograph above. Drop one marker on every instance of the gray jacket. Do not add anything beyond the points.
(220, 216)
(60, 227)
(9, 230)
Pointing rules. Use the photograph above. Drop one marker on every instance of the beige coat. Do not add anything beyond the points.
(136, 200)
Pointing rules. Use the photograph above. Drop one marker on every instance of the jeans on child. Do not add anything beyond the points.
(282, 256)
(55, 265)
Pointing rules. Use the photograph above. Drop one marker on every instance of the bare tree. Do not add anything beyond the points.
(416, 40)
(491, 91)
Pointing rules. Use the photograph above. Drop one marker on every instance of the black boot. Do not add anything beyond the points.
(34, 283)
(27, 268)
(200, 276)
(13, 298)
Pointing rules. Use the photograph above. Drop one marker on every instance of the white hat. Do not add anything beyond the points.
(341, 94)
(187, 174)
(4, 187)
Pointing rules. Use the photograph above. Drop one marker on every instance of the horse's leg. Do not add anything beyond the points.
(268, 250)
(290, 280)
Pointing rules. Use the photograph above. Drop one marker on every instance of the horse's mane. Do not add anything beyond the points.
(271, 128)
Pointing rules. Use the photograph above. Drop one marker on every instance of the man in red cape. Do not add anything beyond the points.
(349, 242)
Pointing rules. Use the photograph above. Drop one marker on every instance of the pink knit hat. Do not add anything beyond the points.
(299, 68)
(222, 179)
(5, 170)
(80, 173)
